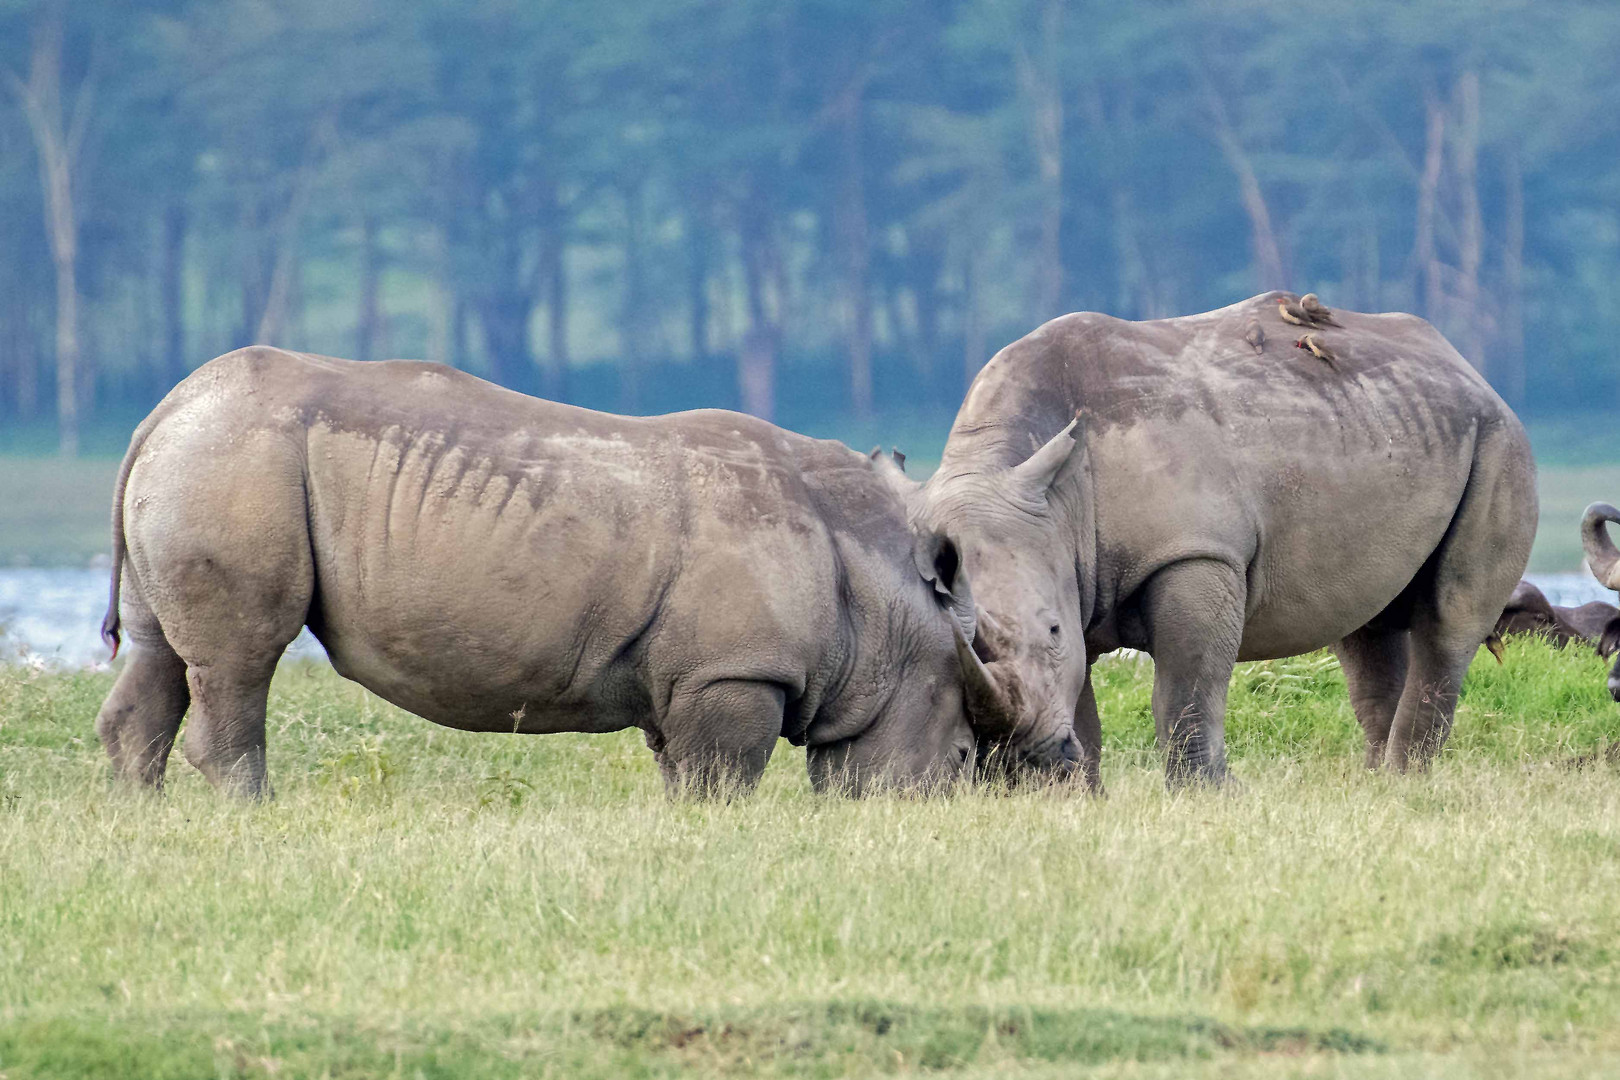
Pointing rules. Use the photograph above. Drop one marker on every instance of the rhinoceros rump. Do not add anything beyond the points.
(493, 562)
(1216, 504)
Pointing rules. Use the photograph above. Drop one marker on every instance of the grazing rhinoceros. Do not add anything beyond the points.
(494, 562)
(1215, 503)
(1604, 560)
(1528, 611)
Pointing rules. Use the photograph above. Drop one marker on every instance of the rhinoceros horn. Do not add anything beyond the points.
(991, 711)
(1601, 554)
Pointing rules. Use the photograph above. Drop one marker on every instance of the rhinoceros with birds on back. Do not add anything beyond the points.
(494, 562)
(1166, 486)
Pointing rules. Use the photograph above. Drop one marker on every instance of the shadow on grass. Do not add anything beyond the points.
(810, 1039)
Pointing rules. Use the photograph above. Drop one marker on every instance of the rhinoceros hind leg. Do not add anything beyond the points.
(1428, 703)
(225, 734)
(1374, 664)
(226, 564)
(1469, 578)
(138, 721)
(719, 736)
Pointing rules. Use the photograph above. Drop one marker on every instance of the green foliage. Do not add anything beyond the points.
(606, 201)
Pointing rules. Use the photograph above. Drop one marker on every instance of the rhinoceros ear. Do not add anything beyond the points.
(892, 468)
(1040, 468)
(939, 562)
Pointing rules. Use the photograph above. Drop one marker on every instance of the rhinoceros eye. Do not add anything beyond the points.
(1057, 631)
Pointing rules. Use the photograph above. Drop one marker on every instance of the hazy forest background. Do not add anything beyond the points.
(827, 212)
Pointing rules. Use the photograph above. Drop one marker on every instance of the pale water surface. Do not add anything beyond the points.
(54, 616)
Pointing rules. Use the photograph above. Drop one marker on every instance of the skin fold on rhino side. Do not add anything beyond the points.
(494, 562)
(1165, 486)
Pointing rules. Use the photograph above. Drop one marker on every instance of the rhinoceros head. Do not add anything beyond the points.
(1019, 638)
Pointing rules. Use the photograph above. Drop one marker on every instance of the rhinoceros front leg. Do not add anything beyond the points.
(1194, 615)
(1088, 730)
(717, 737)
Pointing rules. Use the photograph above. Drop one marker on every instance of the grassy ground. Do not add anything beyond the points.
(422, 902)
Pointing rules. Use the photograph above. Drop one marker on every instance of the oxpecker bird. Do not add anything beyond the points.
(1315, 311)
(1313, 345)
(1292, 312)
(1494, 644)
(1255, 336)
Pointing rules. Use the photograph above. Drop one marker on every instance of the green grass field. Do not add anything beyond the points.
(423, 902)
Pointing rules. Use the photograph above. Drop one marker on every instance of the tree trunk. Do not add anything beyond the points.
(635, 314)
(172, 292)
(556, 276)
(458, 332)
(756, 364)
(1040, 77)
(1424, 255)
(505, 319)
(1510, 347)
(58, 137)
(284, 239)
(1268, 260)
(368, 325)
(22, 363)
(973, 332)
(256, 258)
(854, 242)
(697, 279)
(924, 262)
(1471, 249)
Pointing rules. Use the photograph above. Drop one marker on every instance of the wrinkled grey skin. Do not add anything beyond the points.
(1528, 611)
(1216, 505)
(493, 562)
(1604, 561)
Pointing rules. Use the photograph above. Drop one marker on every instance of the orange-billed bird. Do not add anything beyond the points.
(1313, 345)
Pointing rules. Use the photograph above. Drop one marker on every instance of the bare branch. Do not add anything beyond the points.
(83, 103)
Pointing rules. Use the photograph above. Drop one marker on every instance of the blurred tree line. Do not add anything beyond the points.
(795, 207)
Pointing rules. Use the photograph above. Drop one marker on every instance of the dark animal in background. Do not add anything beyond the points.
(494, 562)
(1604, 560)
(1528, 611)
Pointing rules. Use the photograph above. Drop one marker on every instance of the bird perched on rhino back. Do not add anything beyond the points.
(1316, 312)
(1291, 312)
(1255, 335)
(1313, 345)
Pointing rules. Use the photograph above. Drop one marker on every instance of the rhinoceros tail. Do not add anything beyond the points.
(110, 622)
